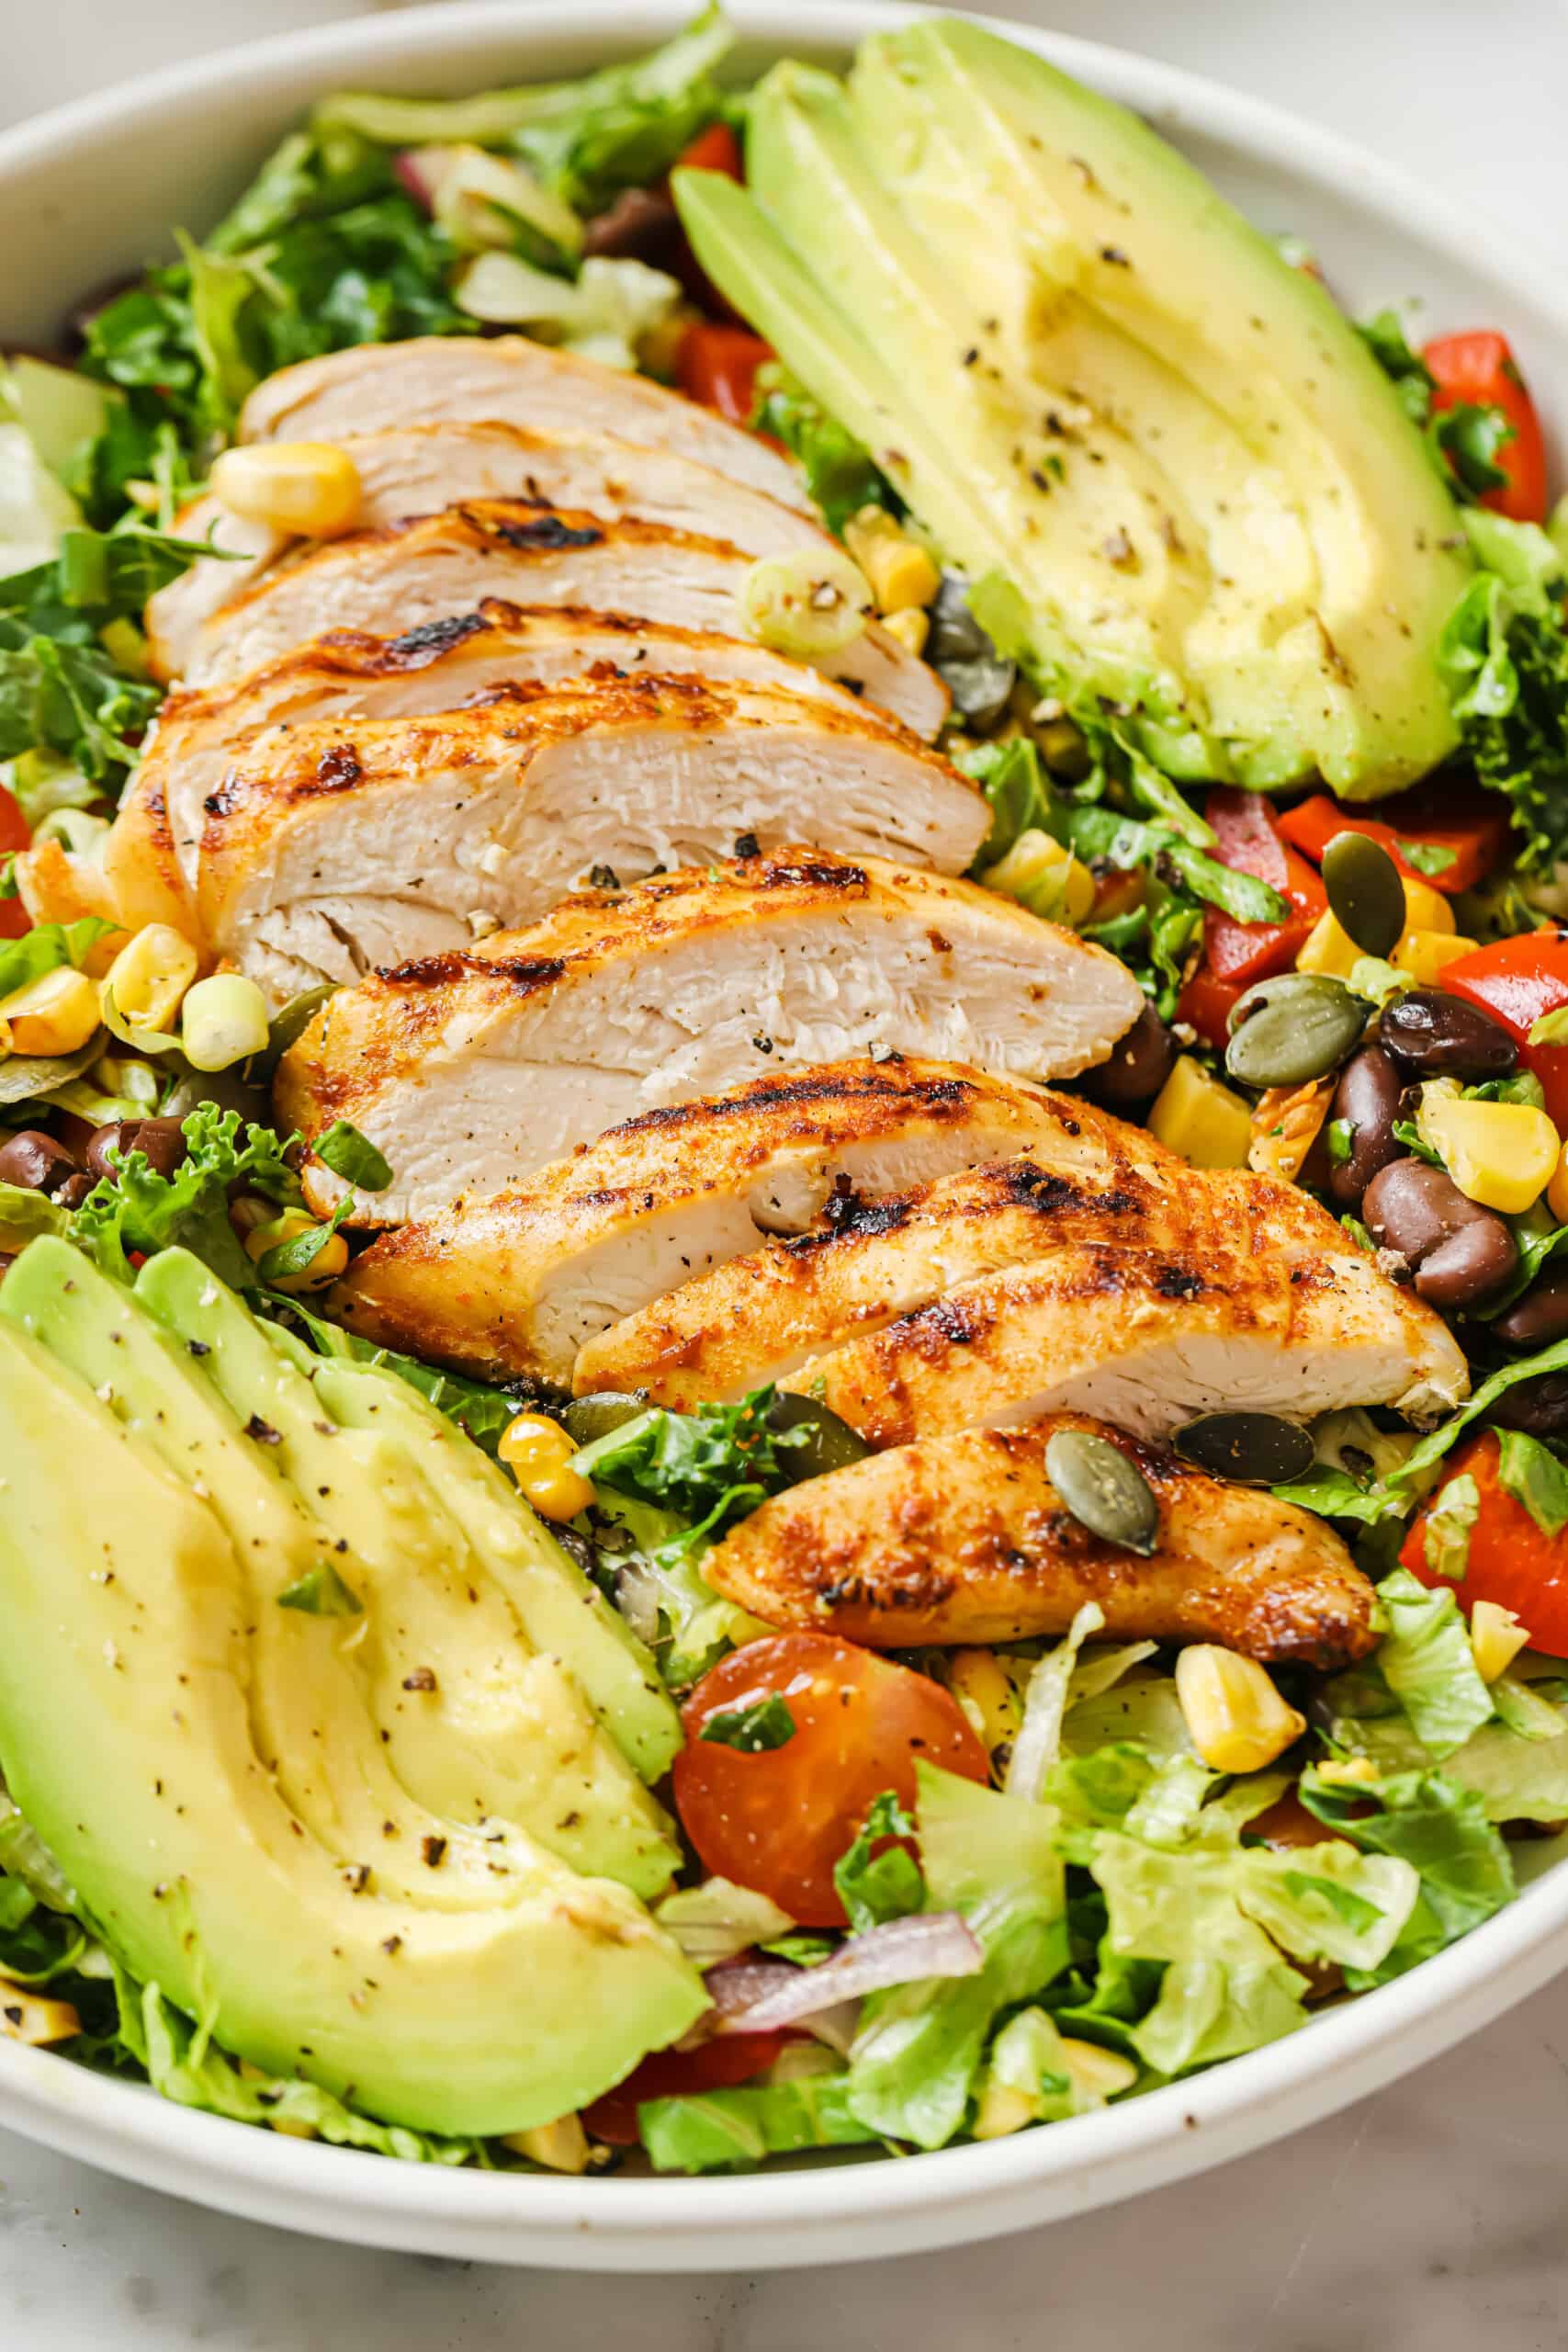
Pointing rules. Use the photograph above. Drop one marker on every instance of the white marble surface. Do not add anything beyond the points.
(1427, 2220)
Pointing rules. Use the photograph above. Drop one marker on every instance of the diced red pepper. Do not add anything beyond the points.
(718, 365)
(714, 2065)
(1518, 981)
(1512, 1561)
(1206, 1003)
(1120, 891)
(1470, 823)
(14, 835)
(716, 149)
(1480, 367)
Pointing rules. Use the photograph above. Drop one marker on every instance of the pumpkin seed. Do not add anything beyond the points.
(1298, 1027)
(1366, 892)
(1103, 1490)
(587, 1418)
(1253, 1449)
(834, 1444)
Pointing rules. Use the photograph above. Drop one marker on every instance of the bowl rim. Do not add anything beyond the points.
(841, 2210)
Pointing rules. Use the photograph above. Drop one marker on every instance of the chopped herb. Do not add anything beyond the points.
(766, 1723)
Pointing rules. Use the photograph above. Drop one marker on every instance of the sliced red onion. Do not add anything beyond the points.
(419, 171)
(756, 1996)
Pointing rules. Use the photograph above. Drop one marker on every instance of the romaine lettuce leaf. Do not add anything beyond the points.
(1426, 1819)
(1427, 1664)
(727, 2131)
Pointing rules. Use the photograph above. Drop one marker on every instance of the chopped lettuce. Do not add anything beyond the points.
(841, 472)
(915, 2059)
(1427, 1662)
(726, 2130)
(138, 1210)
(719, 1920)
(875, 1886)
(1503, 660)
(1442, 1831)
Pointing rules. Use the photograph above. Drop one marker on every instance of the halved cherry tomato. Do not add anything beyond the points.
(1287, 1822)
(1481, 368)
(1517, 982)
(779, 1820)
(1470, 824)
(718, 365)
(1510, 1561)
(714, 2065)
(716, 149)
(14, 835)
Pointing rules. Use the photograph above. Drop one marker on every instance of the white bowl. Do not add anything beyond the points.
(92, 190)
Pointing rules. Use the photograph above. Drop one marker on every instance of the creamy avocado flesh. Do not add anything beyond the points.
(1090, 376)
(258, 1857)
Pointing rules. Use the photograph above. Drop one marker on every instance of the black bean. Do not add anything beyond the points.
(1438, 1035)
(1539, 1407)
(160, 1139)
(1367, 1099)
(642, 225)
(74, 1190)
(1458, 1251)
(1538, 1318)
(1136, 1067)
(37, 1162)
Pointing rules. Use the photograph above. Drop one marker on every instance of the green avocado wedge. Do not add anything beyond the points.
(1087, 373)
(478, 1721)
(130, 1739)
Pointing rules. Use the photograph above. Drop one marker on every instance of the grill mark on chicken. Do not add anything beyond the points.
(549, 531)
(418, 647)
(338, 769)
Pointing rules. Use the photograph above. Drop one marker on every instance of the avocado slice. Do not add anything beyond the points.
(561, 1612)
(475, 1722)
(129, 1660)
(1088, 373)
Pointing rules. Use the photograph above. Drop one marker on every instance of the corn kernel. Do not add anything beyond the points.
(1557, 1189)
(985, 1692)
(1001, 2111)
(869, 527)
(148, 977)
(1426, 909)
(1423, 954)
(293, 2127)
(55, 1014)
(1502, 1155)
(27, 2016)
(1350, 1772)
(901, 574)
(308, 489)
(911, 628)
(538, 1453)
(1205, 1122)
(1236, 1717)
(287, 1225)
(1496, 1638)
(562, 2146)
(222, 1020)
(1329, 948)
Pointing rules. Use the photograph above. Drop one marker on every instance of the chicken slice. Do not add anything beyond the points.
(1146, 1339)
(962, 1537)
(1087, 1177)
(513, 1285)
(427, 569)
(149, 860)
(472, 1068)
(421, 468)
(444, 379)
(344, 848)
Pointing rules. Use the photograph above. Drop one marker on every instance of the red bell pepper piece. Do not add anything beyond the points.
(1480, 367)
(1247, 839)
(1472, 826)
(1512, 1561)
(14, 835)
(718, 365)
(1206, 1003)
(716, 149)
(1518, 981)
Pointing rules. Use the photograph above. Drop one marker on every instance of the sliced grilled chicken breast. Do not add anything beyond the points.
(429, 569)
(963, 1538)
(1146, 1339)
(342, 848)
(440, 378)
(513, 1285)
(1085, 1178)
(422, 469)
(471, 1069)
(150, 857)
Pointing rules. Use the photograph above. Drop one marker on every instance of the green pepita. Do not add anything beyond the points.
(588, 1417)
(1253, 1449)
(1103, 1490)
(1286, 1032)
(1366, 892)
(834, 1444)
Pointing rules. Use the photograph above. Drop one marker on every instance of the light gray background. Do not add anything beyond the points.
(1429, 2219)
